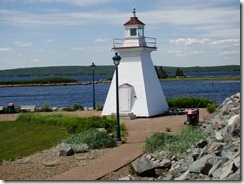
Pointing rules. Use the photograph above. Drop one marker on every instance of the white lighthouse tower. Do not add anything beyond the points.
(140, 91)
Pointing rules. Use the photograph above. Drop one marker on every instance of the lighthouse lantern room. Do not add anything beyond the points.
(140, 91)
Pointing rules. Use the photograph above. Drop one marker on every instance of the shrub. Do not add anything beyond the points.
(211, 108)
(78, 107)
(173, 145)
(188, 102)
(46, 107)
(99, 107)
(93, 138)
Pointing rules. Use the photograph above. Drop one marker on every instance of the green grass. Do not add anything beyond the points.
(173, 145)
(22, 139)
(73, 123)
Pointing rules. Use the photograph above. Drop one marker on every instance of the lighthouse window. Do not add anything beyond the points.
(133, 32)
(140, 32)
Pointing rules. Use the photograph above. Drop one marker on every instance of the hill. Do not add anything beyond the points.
(100, 70)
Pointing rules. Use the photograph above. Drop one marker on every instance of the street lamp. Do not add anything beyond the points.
(93, 87)
(116, 58)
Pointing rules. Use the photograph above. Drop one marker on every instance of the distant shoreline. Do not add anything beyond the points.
(236, 78)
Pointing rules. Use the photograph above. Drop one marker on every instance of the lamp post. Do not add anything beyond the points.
(93, 87)
(116, 58)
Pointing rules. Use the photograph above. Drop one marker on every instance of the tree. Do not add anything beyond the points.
(161, 73)
(179, 73)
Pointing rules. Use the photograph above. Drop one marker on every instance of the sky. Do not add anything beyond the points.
(36, 33)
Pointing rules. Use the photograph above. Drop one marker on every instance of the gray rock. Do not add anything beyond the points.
(165, 163)
(168, 177)
(64, 149)
(184, 176)
(143, 166)
(214, 168)
(202, 144)
(202, 165)
(102, 130)
(80, 148)
(124, 178)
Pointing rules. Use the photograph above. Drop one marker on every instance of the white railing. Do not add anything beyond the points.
(146, 42)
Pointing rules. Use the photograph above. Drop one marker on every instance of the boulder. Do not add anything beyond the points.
(64, 149)
(143, 166)
(202, 165)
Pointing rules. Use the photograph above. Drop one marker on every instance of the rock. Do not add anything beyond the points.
(202, 165)
(227, 170)
(64, 149)
(103, 130)
(165, 163)
(125, 178)
(168, 177)
(143, 166)
(183, 176)
(214, 168)
(202, 144)
(216, 148)
(218, 136)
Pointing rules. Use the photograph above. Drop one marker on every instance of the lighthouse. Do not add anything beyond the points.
(140, 91)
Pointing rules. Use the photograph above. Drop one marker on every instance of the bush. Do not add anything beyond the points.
(46, 108)
(99, 107)
(93, 138)
(211, 108)
(188, 102)
(173, 145)
(78, 107)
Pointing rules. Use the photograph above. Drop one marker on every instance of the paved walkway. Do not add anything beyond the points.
(138, 130)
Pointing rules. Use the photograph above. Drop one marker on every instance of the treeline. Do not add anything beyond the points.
(53, 80)
(101, 70)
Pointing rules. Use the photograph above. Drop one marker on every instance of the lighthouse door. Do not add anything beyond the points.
(125, 97)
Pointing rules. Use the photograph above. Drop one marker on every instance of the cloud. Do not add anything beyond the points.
(80, 49)
(23, 44)
(217, 43)
(35, 60)
(80, 3)
(189, 41)
(227, 53)
(227, 43)
(184, 53)
(5, 49)
(48, 40)
(101, 40)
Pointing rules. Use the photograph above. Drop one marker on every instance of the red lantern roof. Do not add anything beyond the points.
(134, 20)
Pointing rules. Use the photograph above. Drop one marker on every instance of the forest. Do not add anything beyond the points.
(103, 70)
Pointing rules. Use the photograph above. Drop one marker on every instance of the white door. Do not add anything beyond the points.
(124, 99)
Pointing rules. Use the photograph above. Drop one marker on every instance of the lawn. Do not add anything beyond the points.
(18, 139)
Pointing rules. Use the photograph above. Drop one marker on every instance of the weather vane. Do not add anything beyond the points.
(134, 12)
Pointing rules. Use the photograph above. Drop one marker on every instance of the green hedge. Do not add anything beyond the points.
(74, 124)
(189, 102)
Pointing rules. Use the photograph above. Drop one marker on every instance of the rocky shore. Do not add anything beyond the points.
(56, 84)
(215, 158)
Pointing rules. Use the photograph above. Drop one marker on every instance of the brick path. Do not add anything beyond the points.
(138, 130)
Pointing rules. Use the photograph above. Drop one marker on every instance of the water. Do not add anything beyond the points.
(67, 96)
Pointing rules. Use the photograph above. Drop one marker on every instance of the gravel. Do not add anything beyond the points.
(45, 164)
